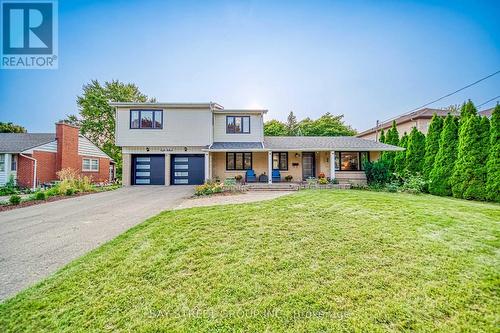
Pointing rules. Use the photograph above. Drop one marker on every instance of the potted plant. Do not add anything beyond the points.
(321, 175)
(238, 178)
(288, 178)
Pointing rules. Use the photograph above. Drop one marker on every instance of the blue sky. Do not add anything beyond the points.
(367, 60)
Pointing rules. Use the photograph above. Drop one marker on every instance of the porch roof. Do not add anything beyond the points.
(315, 143)
(236, 146)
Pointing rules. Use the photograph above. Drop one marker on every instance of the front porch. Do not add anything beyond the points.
(345, 167)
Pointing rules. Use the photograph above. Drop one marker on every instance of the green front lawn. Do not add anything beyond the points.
(311, 261)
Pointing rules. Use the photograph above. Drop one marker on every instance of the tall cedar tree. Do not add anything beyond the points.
(469, 175)
(382, 136)
(97, 117)
(291, 124)
(445, 158)
(493, 166)
(391, 138)
(432, 144)
(415, 152)
(400, 159)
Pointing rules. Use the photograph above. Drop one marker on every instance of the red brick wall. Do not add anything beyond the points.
(24, 171)
(67, 146)
(102, 175)
(45, 166)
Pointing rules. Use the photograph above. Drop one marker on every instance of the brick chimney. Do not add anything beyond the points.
(67, 146)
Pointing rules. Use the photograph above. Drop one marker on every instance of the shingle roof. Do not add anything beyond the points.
(422, 113)
(18, 142)
(236, 145)
(344, 143)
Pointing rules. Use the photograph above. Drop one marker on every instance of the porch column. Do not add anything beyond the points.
(207, 167)
(332, 164)
(270, 167)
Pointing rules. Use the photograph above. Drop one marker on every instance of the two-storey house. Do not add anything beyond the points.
(190, 143)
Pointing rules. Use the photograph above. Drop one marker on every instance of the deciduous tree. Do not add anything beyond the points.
(97, 118)
(275, 128)
(11, 128)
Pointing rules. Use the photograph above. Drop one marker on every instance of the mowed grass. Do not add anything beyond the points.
(315, 261)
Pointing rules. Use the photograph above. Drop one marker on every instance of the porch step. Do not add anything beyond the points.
(273, 187)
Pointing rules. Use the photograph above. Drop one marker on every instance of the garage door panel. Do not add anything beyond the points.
(188, 169)
(149, 170)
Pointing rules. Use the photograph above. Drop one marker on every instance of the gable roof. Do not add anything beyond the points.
(19, 142)
(344, 143)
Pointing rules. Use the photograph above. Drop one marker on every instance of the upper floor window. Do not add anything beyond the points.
(239, 124)
(152, 119)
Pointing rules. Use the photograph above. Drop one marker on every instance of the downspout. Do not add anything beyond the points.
(34, 169)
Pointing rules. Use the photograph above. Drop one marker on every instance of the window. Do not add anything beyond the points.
(2, 162)
(90, 164)
(280, 161)
(238, 161)
(349, 161)
(13, 163)
(238, 124)
(149, 119)
(337, 161)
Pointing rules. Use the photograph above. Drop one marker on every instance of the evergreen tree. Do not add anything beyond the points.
(469, 175)
(415, 152)
(432, 144)
(493, 166)
(291, 124)
(445, 158)
(400, 159)
(382, 136)
(392, 138)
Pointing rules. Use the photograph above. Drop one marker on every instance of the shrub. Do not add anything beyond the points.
(322, 181)
(40, 195)
(334, 181)
(70, 191)
(208, 188)
(392, 186)
(53, 191)
(15, 199)
(7, 191)
(377, 173)
(70, 178)
(413, 183)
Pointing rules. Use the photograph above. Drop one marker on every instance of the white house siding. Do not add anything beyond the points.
(256, 128)
(181, 127)
(5, 175)
(50, 147)
(87, 148)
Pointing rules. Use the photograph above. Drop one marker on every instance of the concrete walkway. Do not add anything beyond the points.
(36, 241)
(251, 196)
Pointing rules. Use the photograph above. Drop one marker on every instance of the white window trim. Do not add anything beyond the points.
(90, 165)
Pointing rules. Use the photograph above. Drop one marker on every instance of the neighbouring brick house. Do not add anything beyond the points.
(420, 119)
(35, 158)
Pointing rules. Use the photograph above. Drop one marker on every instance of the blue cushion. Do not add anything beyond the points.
(276, 173)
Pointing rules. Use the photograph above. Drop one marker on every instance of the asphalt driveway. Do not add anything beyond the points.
(38, 240)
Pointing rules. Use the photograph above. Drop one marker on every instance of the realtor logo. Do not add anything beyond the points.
(29, 34)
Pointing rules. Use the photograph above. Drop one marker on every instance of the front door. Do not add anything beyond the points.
(308, 165)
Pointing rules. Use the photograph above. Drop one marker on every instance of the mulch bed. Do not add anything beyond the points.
(23, 204)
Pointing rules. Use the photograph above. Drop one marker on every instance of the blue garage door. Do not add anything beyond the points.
(187, 169)
(148, 170)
